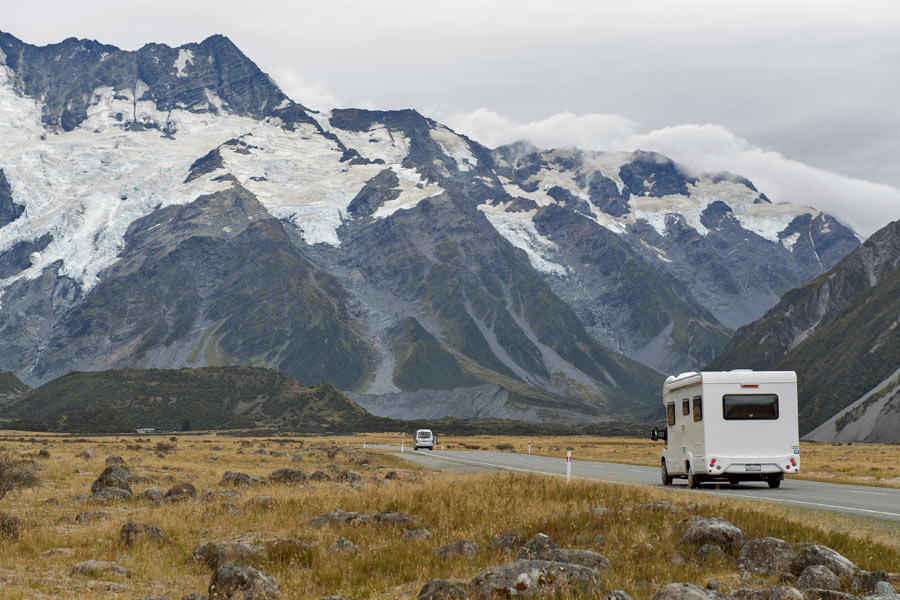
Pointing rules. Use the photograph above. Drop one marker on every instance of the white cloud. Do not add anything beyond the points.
(310, 94)
(863, 205)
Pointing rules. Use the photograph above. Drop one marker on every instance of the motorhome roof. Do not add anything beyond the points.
(736, 376)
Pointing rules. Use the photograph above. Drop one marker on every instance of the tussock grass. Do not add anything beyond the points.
(453, 507)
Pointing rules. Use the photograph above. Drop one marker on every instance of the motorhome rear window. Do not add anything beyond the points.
(670, 413)
(750, 407)
(698, 408)
(685, 407)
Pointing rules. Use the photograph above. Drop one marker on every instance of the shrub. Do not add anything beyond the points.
(16, 475)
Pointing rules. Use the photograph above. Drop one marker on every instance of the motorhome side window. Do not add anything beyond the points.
(685, 407)
(743, 407)
(670, 413)
(698, 408)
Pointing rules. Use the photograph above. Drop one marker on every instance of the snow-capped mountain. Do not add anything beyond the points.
(172, 207)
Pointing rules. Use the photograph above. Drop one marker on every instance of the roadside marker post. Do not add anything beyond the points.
(529, 446)
(568, 465)
(401, 446)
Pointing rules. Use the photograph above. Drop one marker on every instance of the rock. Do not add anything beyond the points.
(441, 589)
(883, 589)
(181, 491)
(90, 515)
(342, 544)
(866, 582)
(598, 510)
(391, 475)
(715, 530)
(98, 568)
(132, 533)
(44, 453)
(464, 548)
(506, 542)
(113, 476)
(110, 494)
(261, 502)
(818, 577)
(241, 480)
(213, 495)
(827, 595)
(677, 559)
(289, 550)
(153, 494)
(58, 552)
(320, 476)
(710, 551)
(532, 578)
(585, 558)
(680, 591)
(288, 476)
(213, 554)
(10, 526)
(766, 555)
(383, 518)
(335, 518)
(232, 581)
(780, 592)
(663, 507)
(112, 459)
(536, 547)
(87, 454)
(193, 596)
(618, 595)
(415, 535)
(347, 476)
(822, 555)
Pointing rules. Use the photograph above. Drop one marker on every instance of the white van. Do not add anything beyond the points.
(730, 426)
(424, 439)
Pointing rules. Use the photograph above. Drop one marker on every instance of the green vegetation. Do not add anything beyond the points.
(10, 385)
(422, 363)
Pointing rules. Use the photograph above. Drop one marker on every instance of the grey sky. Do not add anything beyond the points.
(814, 82)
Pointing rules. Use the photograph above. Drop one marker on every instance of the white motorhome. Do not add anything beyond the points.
(730, 426)
(424, 438)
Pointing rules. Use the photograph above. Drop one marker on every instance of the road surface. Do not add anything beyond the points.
(882, 503)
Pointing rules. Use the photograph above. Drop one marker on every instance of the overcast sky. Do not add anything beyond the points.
(802, 97)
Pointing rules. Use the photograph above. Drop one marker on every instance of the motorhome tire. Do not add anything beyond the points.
(693, 479)
(664, 472)
(774, 482)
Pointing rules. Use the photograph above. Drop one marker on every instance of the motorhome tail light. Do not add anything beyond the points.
(749, 385)
(712, 462)
(793, 462)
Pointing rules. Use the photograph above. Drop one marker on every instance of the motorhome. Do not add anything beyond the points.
(424, 438)
(730, 426)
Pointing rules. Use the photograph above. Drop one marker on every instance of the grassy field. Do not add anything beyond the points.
(453, 507)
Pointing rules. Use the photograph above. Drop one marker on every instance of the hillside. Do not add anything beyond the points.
(122, 400)
(10, 387)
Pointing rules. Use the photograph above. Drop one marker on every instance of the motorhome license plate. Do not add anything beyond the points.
(754, 467)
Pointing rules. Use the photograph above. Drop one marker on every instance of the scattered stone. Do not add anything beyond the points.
(342, 544)
(213, 554)
(585, 558)
(827, 595)
(710, 551)
(193, 596)
(213, 495)
(10, 526)
(113, 476)
(818, 577)
(288, 476)
(232, 581)
(530, 578)
(506, 542)
(90, 515)
(866, 582)
(153, 494)
(320, 476)
(680, 591)
(132, 533)
(415, 535)
(110, 494)
(441, 589)
(822, 555)
(598, 510)
(261, 502)
(536, 547)
(180, 492)
(87, 454)
(464, 548)
(241, 480)
(112, 459)
(347, 476)
(883, 589)
(391, 475)
(715, 530)
(98, 568)
(677, 559)
(766, 555)
(618, 595)
(663, 507)
(59, 552)
(716, 586)
(289, 550)
(44, 453)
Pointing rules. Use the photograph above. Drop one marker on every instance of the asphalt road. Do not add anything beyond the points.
(882, 503)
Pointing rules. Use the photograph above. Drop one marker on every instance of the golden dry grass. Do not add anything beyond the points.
(452, 507)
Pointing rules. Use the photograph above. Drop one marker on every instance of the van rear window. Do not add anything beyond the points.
(670, 413)
(750, 407)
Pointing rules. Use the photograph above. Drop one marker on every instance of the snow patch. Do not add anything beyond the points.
(519, 230)
(454, 146)
(790, 241)
(412, 191)
(377, 142)
(185, 57)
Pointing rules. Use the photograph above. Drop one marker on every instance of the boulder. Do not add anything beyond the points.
(883, 589)
(181, 491)
(710, 551)
(335, 518)
(113, 476)
(261, 502)
(382, 518)
(132, 533)
(44, 453)
(113, 459)
(618, 595)
(680, 591)
(213, 495)
(342, 544)
(536, 547)
(780, 592)
(193, 596)
(288, 476)
(866, 582)
(110, 494)
(90, 515)
(347, 476)
(534, 578)
(712, 531)
(289, 550)
(243, 480)
(87, 454)
(233, 581)
(320, 476)
(464, 548)
(585, 558)
(822, 555)
(99, 568)
(506, 542)
(766, 555)
(153, 494)
(441, 589)
(415, 535)
(818, 577)
(660, 506)
(213, 554)
(10, 526)
(813, 594)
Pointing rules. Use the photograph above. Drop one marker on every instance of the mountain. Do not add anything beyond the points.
(10, 387)
(172, 207)
(839, 332)
(121, 400)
